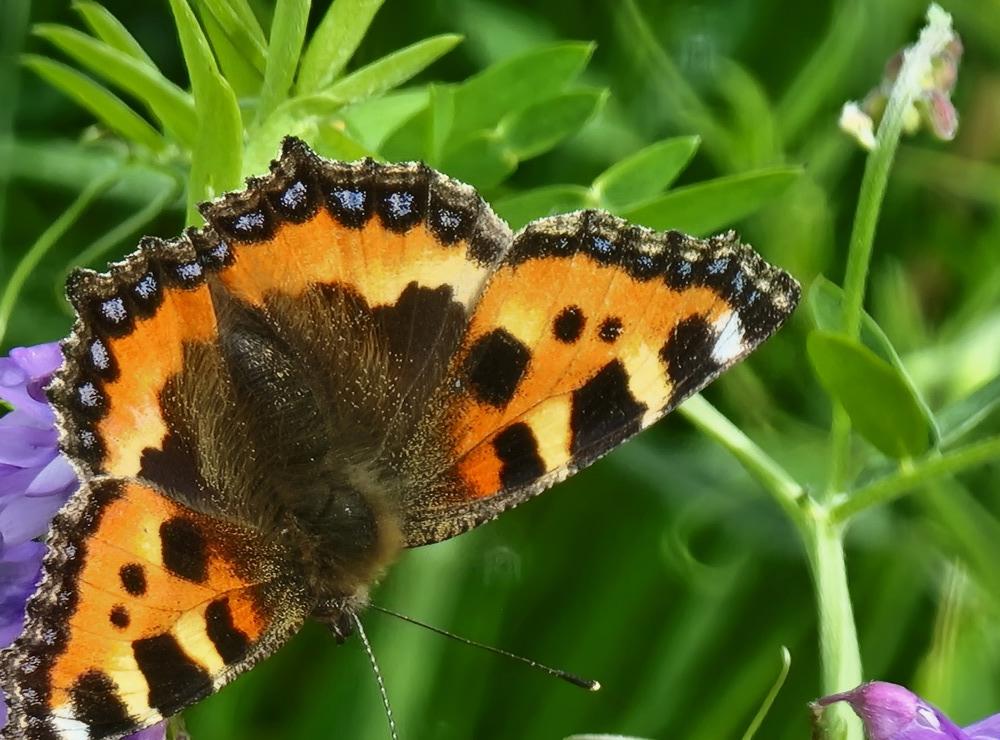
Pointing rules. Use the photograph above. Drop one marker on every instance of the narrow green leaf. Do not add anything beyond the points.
(750, 120)
(482, 161)
(242, 29)
(372, 121)
(961, 417)
(333, 44)
(826, 306)
(483, 100)
(107, 107)
(110, 30)
(645, 174)
(334, 143)
(216, 161)
(239, 71)
(170, 105)
(519, 209)
(538, 127)
(882, 407)
(410, 140)
(710, 206)
(288, 33)
(441, 107)
(393, 69)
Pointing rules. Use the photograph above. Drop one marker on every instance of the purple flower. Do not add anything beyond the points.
(891, 712)
(35, 480)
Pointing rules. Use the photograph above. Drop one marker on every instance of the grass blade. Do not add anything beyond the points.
(393, 69)
(107, 107)
(288, 33)
(709, 206)
(334, 42)
(241, 28)
(110, 30)
(170, 105)
(217, 158)
(645, 174)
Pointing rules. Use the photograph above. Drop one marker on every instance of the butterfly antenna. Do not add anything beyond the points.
(378, 676)
(583, 683)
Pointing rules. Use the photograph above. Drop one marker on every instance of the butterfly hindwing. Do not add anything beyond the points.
(145, 607)
(590, 330)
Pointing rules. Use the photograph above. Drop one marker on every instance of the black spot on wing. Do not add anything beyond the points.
(183, 549)
(517, 448)
(174, 679)
(173, 467)
(401, 196)
(495, 365)
(604, 412)
(97, 704)
(119, 617)
(231, 643)
(611, 329)
(568, 325)
(687, 355)
(133, 578)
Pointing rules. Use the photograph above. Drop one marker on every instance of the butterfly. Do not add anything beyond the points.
(347, 360)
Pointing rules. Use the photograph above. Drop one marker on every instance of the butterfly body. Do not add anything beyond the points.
(349, 359)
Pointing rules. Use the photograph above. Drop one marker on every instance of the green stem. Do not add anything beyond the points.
(919, 473)
(45, 242)
(778, 482)
(917, 62)
(118, 234)
(838, 638)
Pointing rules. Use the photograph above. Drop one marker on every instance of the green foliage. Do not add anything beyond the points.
(677, 569)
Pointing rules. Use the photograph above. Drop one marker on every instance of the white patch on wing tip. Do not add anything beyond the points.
(729, 341)
(67, 727)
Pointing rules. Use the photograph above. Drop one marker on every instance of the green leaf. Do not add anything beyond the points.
(333, 143)
(101, 102)
(882, 407)
(169, 104)
(241, 28)
(239, 71)
(288, 33)
(482, 100)
(538, 127)
(482, 161)
(645, 174)
(519, 209)
(217, 159)
(110, 30)
(710, 206)
(372, 121)
(393, 69)
(441, 108)
(826, 306)
(336, 39)
(961, 417)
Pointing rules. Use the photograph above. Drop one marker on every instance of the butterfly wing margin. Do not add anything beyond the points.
(97, 659)
(589, 331)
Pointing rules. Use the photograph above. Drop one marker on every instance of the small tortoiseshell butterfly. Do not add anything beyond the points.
(347, 360)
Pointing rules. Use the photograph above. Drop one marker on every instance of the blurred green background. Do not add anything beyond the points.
(664, 571)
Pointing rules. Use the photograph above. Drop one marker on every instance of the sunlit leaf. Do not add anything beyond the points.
(482, 161)
(173, 107)
(288, 32)
(710, 206)
(217, 159)
(546, 201)
(238, 69)
(110, 30)
(539, 127)
(645, 174)
(334, 42)
(881, 405)
(392, 70)
(242, 29)
(372, 120)
(826, 300)
(101, 102)
(482, 100)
